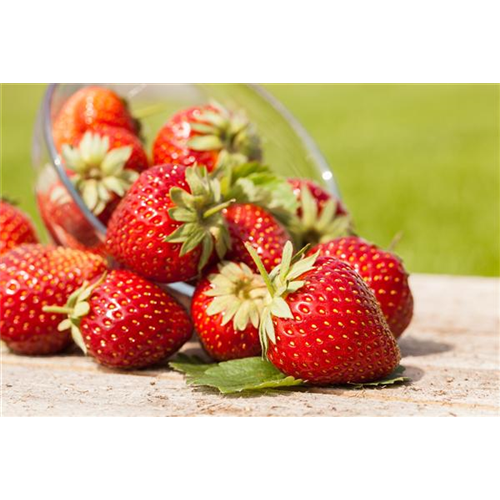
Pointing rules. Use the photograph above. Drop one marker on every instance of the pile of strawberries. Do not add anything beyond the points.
(206, 211)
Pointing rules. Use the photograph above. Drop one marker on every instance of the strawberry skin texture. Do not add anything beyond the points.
(221, 342)
(247, 222)
(320, 195)
(15, 227)
(87, 107)
(33, 276)
(139, 225)
(338, 333)
(133, 323)
(382, 271)
(170, 145)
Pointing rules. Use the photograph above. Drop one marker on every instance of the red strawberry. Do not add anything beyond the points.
(320, 215)
(168, 224)
(247, 222)
(15, 227)
(88, 107)
(124, 321)
(103, 164)
(200, 134)
(322, 323)
(32, 276)
(382, 271)
(225, 309)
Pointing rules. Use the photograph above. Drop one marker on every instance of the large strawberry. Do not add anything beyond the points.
(103, 164)
(250, 223)
(32, 276)
(320, 216)
(168, 224)
(200, 134)
(322, 323)
(124, 321)
(226, 307)
(88, 107)
(382, 271)
(15, 227)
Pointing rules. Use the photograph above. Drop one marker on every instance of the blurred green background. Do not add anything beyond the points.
(421, 159)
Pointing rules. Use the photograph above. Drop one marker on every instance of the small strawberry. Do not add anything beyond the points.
(382, 271)
(250, 223)
(65, 222)
(124, 321)
(103, 164)
(322, 323)
(225, 309)
(200, 134)
(16, 227)
(88, 107)
(320, 216)
(168, 224)
(32, 276)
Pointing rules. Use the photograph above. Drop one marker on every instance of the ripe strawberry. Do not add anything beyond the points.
(322, 323)
(65, 221)
(247, 222)
(88, 107)
(382, 271)
(15, 227)
(124, 321)
(32, 276)
(169, 205)
(200, 134)
(103, 164)
(225, 309)
(320, 216)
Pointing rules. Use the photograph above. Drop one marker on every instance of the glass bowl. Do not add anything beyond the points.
(287, 148)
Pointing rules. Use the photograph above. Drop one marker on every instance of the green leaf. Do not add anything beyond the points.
(396, 377)
(205, 143)
(249, 374)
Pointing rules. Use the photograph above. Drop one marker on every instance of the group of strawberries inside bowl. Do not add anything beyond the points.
(278, 270)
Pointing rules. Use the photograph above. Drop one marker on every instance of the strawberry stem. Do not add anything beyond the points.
(213, 210)
(57, 309)
(261, 268)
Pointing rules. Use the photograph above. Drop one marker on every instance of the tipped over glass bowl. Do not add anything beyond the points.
(287, 148)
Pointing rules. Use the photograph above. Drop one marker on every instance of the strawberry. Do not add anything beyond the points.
(382, 271)
(65, 222)
(225, 309)
(322, 323)
(200, 134)
(320, 216)
(124, 321)
(168, 224)
(103, 164)
(15, 227)
(88, 107)
(32, 276)
(247, 222)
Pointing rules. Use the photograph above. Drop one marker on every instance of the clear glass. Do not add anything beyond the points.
(288, 149)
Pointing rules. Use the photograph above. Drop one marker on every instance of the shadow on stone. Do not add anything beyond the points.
(411, 346)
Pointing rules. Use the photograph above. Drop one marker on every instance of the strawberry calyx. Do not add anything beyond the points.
(217, 129)
(312, 227)
(282, 281)
(200, 212)
(99, 171)
(76, 308)
(238, 294)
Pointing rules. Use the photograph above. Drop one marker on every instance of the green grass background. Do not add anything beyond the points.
(421, 159)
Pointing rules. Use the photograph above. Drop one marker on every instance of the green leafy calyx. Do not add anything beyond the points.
(217, 129)
(282, 281)
(315, 227)
(99, 171)
(238, 293)
(76, 308)
(200, 212)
